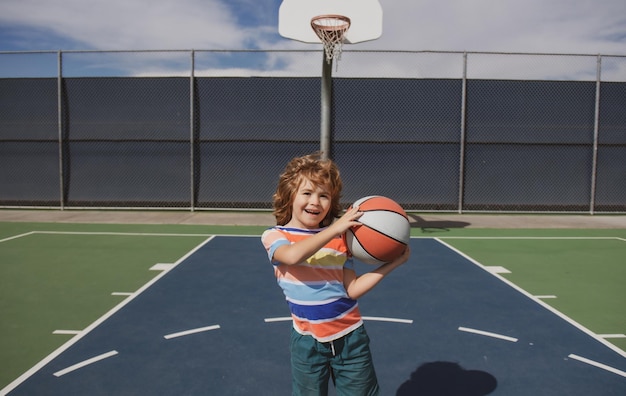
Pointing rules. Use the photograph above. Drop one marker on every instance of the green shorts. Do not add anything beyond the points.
(347, 360)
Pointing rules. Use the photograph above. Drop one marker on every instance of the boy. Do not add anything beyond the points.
(308, 251)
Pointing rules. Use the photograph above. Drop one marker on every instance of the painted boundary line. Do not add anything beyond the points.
(369, 318)
(98, 322)
(538, 301)
(17, 236)
(67, 332)
(488, 334)
(114, 233)
(191, 331)
(385, 319)
(596, 364)
(85, 363)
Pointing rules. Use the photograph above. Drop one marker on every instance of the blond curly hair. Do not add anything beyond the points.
(320, 172)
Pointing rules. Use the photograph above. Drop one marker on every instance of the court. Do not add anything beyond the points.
(213, 321)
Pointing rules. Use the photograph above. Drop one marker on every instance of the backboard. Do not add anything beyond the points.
(366, 17)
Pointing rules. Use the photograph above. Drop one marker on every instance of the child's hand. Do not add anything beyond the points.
(404, 257)
(348, 220)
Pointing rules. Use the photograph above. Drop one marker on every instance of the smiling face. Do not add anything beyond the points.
(310, 205)
(308, 171)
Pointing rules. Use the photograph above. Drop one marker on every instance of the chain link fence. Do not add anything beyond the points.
(200, 130)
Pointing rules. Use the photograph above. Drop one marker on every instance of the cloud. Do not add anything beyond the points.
(581, 26)
(138, 24)
(578, 26)
(538, 26)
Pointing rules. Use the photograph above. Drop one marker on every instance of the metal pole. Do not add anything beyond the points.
(463, 130)
(326, 109)
(596, 131)
(60, 126)
(192, 144)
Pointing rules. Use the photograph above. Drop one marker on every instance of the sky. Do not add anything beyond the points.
(543, 26)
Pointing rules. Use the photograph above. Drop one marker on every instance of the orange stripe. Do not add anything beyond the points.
(335, 243)
(329, 329)
(306, 274)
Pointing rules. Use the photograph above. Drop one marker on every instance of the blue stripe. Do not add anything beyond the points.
(278, 243)
(312, 292)
(321, 312)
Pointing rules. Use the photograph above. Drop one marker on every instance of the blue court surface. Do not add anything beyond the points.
(216, 323)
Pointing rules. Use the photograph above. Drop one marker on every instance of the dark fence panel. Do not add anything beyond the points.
(610, 190)
(399, 138)
(213, 142)
(530, 145)
(128, 142)
(29, 142)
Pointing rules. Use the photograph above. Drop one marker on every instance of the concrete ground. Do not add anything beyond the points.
(445, 220)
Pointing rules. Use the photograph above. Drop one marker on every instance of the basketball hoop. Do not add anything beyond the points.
(331, 29)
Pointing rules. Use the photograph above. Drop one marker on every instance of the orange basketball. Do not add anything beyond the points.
(384, 233)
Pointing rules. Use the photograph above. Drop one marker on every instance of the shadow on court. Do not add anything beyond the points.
(445, 379)
(215, 324)
(435, 225)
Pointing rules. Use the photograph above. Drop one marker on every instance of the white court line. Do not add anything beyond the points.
(538, 301)
(95, 324)
(488, 334)
(546, 296)
(162, 267)
(74, 332)
(279, 319)
(598, 365)
(191, 331)
(17, 236)
(373, 318)
(119, 233)
(612, 335)
(383, 319)
(85, 363)
(121, 294)
(497, 269)
(530, 238)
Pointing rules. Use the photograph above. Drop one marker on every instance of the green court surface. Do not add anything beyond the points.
(57, 276)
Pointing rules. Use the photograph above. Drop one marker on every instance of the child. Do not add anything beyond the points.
(308, 251)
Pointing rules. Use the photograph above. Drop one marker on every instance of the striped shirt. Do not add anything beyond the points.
(314, 289)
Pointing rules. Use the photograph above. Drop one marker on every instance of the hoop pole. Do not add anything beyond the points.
(326, 137)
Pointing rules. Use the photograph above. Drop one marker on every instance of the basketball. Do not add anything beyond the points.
(384, 233)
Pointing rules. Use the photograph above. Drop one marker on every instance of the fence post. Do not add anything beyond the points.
(463, 128)
(596, 130)
(60, 127)
(192, 142)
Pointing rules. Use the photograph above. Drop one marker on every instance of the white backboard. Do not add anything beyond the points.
(366, 18)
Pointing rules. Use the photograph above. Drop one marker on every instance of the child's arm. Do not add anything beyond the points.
(358, 286)
(296, 253)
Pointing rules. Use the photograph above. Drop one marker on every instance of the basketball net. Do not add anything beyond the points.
(331, 29)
